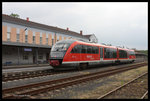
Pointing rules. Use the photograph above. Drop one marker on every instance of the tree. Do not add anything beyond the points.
(133, 48)
(14, 15)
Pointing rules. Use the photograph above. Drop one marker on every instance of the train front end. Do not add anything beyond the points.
(58, 52)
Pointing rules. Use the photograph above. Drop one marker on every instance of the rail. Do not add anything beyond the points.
(64, 82)
(114, 90)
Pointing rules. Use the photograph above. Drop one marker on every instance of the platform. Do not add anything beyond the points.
(29, 69)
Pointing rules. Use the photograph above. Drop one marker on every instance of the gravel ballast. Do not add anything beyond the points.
(94, 89)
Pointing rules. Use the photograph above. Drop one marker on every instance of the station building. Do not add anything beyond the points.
(141, 56)
(27, 42)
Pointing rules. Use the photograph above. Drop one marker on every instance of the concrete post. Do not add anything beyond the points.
(18, 55)
(37, 56)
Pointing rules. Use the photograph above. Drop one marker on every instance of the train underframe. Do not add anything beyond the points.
(83, 65)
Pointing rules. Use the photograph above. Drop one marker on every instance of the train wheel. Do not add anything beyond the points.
(83, 66)
(78, 68)
(117, 62)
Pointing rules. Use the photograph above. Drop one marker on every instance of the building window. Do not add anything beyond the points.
(40, 40)
(25, 56)
(47, 41)
(40, 56)
(8, 36)
(26, 38)
(52, 42)
(33, 39)
(8, 33)
(18, 37)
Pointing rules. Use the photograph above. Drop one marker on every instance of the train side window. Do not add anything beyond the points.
(125, 54)
(97, 50)
(76, 49)
(84, 49)
(122, 54)
(93, 50)
(110, 53)
(79, 48)
(114, 53)
(89, 49)
(106, 53)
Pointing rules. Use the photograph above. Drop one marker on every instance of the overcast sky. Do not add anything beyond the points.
(119, 24)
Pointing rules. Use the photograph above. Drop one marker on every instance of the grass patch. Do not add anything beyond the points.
(113, 82)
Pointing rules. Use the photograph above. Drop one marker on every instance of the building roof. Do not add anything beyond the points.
(25, 44)
(142, 54)
(7, 18)
(87, 36)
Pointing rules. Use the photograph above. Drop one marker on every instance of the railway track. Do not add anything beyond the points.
(124, 91)
(144, 95)
(28, 91)
(17, 76)
(30, 74)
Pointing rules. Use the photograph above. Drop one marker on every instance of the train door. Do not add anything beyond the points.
(117, 61)
(101, 53)
(117, 54)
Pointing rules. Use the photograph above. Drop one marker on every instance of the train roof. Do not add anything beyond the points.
(126, 49)
(88, 43)
(95, 44)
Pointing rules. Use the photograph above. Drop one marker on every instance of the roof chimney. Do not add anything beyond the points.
(67, 28)
(27, 18)
(80, 32)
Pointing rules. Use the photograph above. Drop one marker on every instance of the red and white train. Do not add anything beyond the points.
(78, 54)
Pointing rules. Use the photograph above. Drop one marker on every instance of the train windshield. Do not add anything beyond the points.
(60, 47)
(131, 53)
